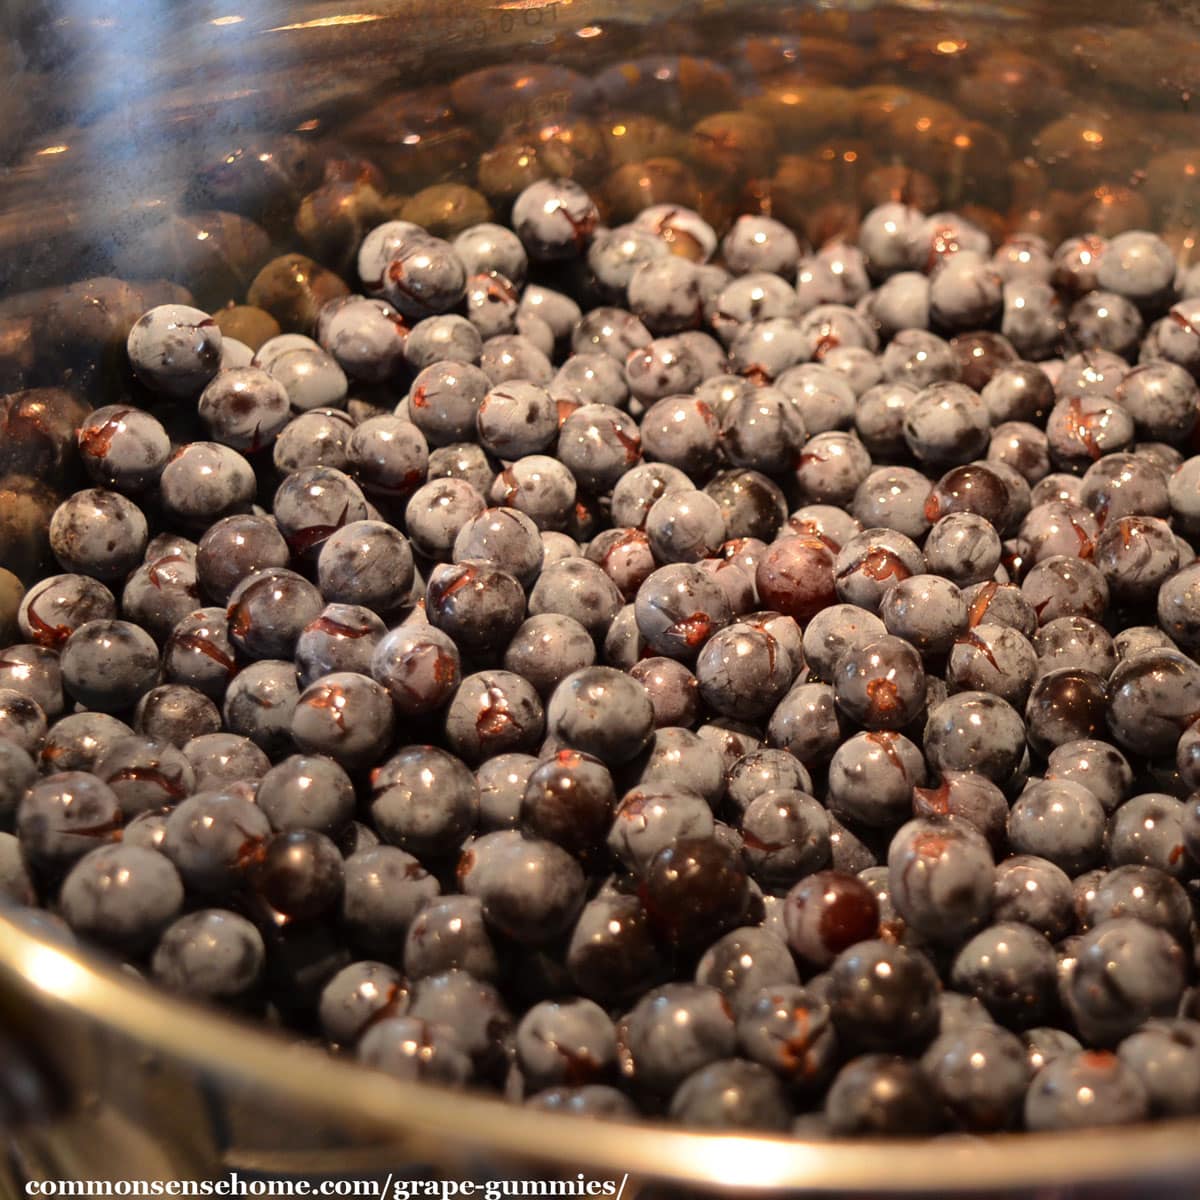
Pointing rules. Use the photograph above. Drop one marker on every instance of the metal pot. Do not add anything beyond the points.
(104, 1077)
(108, 111)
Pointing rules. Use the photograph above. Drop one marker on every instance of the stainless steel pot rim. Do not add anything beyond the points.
(302, 1077)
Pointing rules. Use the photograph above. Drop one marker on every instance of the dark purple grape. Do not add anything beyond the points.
(693, 889)
(299, 873)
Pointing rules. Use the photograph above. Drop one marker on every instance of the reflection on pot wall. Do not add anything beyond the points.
(120, 118)
(148, 144)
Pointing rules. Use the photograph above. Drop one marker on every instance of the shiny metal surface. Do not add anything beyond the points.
(101, 130)
(102, 1076)
(104, 133)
